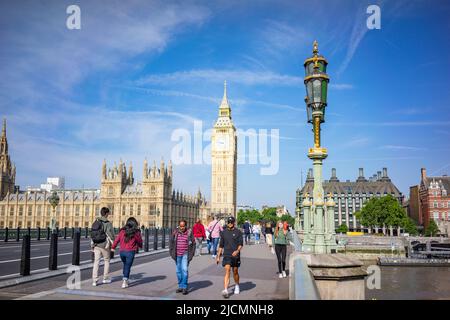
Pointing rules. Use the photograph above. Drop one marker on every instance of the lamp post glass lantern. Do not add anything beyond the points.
(318, 216)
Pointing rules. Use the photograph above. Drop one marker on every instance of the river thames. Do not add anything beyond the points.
(412, 283)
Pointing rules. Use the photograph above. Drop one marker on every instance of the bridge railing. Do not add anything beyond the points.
(302, 285)
(159, 241)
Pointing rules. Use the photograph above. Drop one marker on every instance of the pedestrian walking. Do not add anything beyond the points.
(199, 235)
(182, 250)
(130, 240)
(282, 238)
(256, 230)
(230, 245)
(269, 236)
(102, 235)
(247, 231)
(214, 227)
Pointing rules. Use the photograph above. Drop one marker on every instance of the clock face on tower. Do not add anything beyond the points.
(222, 143)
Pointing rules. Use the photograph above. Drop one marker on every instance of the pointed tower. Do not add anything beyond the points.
(145, 175)
(224, 161)
(130, 178)
(104, 177)
(7, 170)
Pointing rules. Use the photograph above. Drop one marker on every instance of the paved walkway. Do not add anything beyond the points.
(157, 280)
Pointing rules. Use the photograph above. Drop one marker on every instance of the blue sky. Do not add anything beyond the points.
(138, 70)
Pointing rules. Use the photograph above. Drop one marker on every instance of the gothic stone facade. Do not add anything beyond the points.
(223, 162)
(152, 202)
(349, 196)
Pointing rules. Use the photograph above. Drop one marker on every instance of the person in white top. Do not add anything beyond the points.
(256, 230)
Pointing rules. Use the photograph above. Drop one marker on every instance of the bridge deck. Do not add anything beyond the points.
(157, 280)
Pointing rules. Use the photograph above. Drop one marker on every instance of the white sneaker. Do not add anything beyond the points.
(107, 281)
(94, 284)
(272, 250)
(213, 256)
(236, 289)
(280, 275)
(225, 293)
(125, 284)
(284, 274)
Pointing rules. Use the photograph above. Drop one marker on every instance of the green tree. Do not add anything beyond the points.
(269, 214)
(410, 226)
(288, 218)
(342, 228)
(432, 229)
(383, 211)
(251, 215)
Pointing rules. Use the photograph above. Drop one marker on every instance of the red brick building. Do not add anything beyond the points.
(431, 200)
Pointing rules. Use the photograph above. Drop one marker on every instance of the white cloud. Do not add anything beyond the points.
(393, 147)
(218, 76)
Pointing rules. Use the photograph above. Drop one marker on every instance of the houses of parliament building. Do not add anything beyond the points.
(153, 201)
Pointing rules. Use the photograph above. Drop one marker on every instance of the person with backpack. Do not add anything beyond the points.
(102, 235)
(199, 235)
(130, 240)
(214, 228)
(247, 231)
(182, 250)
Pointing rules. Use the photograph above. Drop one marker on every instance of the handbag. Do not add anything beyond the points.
(210, 233)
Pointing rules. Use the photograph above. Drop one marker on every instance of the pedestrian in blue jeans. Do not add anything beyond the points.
(182, 250)
(130, 241)
(215, 228)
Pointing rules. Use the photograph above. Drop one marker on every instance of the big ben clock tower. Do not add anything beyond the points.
(223, 162)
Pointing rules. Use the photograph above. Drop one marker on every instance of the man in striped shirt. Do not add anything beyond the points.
(182, 249)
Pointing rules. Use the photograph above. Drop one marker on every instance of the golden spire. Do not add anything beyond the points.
(224, 103)
(315, 48)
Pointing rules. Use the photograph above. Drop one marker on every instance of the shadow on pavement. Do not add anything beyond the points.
(244, 286)
(196, 285)
(138, 279)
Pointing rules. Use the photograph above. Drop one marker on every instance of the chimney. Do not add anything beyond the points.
(378, 175)
(361, 172)
(385, 173)
(423, 173)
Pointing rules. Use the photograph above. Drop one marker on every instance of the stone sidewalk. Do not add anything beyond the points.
(157, 281)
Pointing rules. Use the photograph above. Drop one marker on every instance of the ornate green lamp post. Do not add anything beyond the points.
(318, 216)
(54, 200)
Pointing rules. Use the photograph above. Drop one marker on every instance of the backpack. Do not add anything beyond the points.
(98, 234)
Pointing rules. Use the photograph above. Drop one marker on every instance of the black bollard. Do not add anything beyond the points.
(65, 233)
(39, 233)
(57, 232)
(155, 239)
(18, 234)
(163, 241)
(87, 231)
(73, 231)
(146, 237)
(25, 259)
(48, 233)
(6, 234)
(76, 249)
(29, 231)
(53, 255)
